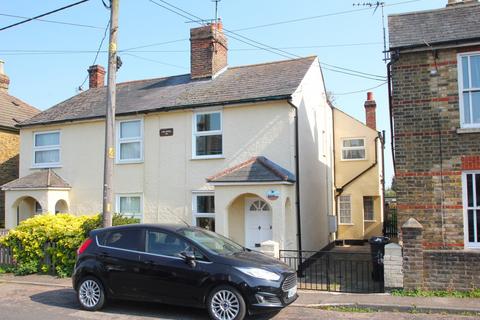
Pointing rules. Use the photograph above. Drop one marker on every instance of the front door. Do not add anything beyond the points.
(258, 222)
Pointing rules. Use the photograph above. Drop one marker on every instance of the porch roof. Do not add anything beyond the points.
(42, 179)
(256, 169)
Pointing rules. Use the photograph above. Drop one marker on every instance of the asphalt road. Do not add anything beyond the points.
(31, 302)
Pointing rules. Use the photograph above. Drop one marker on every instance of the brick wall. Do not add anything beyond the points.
(428, 149)
(448, 270)
(9, 145)
(430, 155)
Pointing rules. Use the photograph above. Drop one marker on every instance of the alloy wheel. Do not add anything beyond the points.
(89, 293)
(225, 305)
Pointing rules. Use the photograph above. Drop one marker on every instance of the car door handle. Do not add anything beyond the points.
(149, 262)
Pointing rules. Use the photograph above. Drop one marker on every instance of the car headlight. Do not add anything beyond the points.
(259, 273)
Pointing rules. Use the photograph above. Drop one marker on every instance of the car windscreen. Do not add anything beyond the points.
(212, 241)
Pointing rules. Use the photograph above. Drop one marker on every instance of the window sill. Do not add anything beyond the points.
(129, 162)
(208, 157)
(346, 224)
(369, 221)
(468, 130)
(45, 166)
(353, 159)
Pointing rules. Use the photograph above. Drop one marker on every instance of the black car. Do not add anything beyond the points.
(180, 265)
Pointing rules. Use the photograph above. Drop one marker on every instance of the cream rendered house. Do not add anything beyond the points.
(244, 151)
(358, 175)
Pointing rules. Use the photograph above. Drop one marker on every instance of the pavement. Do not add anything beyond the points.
(316, 299)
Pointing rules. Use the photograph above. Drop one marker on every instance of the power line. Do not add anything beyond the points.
(257, 44)
(358, 91)
(80, 87)
(52, 21)
(43, 15)
(317, 17)
(46, 52)
(152, 60)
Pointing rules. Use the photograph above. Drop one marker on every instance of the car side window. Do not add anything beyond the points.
(129, 239)
(168, 244)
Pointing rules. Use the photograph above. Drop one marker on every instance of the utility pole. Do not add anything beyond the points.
(110, 117)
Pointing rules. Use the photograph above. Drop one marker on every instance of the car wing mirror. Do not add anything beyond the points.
(189, 257)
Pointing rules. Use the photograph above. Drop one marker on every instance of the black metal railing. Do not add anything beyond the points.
(335, 271)
(390, 228)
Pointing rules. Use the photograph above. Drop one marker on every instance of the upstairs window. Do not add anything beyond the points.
(353, 149)
(207, 135)
(46, 149)
(130, 141)
(345, 206)
(469, 89)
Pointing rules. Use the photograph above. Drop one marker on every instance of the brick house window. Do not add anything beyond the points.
(471, 207)
(203, 207)
(46, 149)
(345, 208)
(353, 149)
(368, 208)
(207, 135)
(469, 89)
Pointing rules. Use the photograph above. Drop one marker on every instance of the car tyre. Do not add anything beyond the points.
(91, 294)
(226, 303)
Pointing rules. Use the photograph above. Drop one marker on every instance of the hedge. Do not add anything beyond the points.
(44, 241)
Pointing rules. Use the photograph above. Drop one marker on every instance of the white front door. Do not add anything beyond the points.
(258, 222)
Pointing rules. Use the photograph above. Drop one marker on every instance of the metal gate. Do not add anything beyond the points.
(336, 271)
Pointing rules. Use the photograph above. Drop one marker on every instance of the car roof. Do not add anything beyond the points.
(165, 226)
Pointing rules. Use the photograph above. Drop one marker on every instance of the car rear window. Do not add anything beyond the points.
(129, 239)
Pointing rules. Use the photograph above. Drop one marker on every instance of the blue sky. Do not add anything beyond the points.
(352, 40)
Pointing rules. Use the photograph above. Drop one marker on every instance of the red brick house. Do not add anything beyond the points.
(12, 111)
(435, 108)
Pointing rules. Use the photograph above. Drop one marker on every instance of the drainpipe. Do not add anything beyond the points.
(297, 183)
(394, 57)
(335, 207)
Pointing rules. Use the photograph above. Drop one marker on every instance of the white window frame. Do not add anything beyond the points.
(354, 148)
(339, 210)
(123, 195)
(461, 90)
(373, 208)
(47, 148)
(120, 141)
(196, 214)
(467, 244)
(196, 134)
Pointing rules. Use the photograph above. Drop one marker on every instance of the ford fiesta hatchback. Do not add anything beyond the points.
(180, 265)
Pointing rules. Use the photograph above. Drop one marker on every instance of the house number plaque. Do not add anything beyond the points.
(166, 132)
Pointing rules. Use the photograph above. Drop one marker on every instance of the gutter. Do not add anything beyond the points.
(163, 109)
(297, 184)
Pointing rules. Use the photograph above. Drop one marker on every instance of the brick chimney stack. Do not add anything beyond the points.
(96, 76)
(4, 79)
(370, 111)
(208, 51)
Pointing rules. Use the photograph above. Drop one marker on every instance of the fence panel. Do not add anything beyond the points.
(335, 271)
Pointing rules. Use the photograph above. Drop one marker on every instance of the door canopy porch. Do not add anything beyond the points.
(39, 192)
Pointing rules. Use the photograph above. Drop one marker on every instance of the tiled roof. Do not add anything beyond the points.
(256, 169)
(14, 110)
(455, 23)
(45, 178)
(267, 81)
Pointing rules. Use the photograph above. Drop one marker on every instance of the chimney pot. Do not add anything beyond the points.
(96, 76)
(4, 79)
(370, 111)
(208, 51)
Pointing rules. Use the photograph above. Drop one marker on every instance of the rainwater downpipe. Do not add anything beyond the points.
(297, 183)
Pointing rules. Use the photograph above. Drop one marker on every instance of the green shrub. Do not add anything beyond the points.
(56, 237)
